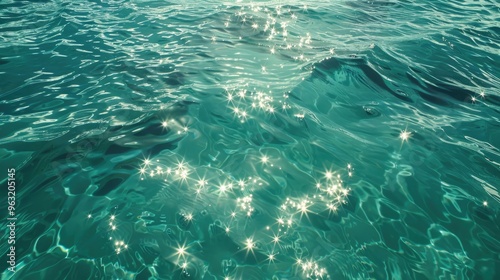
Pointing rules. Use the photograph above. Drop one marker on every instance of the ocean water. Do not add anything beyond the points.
(184, 139)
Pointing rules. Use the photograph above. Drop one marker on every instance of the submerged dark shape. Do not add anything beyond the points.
(174, 79)
(109, 186)
(434, 92)
(62, 161)
(458, 93)
(45, 183)
(373, 78)
(154, 129)
(117, 149)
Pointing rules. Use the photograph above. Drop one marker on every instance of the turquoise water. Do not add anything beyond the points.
(251, 140)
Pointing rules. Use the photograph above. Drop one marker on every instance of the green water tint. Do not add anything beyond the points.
(344, 140)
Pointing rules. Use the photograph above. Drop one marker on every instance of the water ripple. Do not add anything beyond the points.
(353, 139)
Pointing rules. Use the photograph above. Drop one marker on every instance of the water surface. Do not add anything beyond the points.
(252, 140)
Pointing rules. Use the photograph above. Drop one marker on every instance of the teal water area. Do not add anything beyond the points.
(251, 140)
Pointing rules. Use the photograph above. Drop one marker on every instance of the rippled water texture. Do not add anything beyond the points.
(273, 140)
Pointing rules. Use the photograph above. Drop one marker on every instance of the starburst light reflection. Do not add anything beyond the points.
(180, 252)
(232, 200)
(264, 159)
(405, 135)
(249, 245)
(271, 257)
